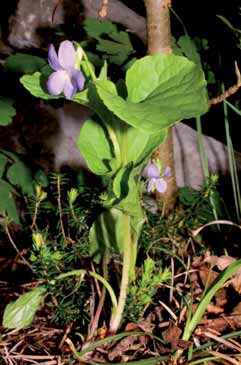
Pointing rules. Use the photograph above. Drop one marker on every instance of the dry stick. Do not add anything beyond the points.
(35, 214)
(223, 356)
(14, 246)
(103, 10)
(58, 3)
(227, 343)
(60, 206)
(232, 90)
(98, 312)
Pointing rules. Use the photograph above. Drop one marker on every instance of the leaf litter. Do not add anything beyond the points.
(160, 328)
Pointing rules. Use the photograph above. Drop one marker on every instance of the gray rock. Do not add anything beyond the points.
(187, 158)
(34, 15)
(31, 15)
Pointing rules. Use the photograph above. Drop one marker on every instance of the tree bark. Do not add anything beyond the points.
(159, 41)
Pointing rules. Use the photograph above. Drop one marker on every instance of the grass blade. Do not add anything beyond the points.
(217, 284)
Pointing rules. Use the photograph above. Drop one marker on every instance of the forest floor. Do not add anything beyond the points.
(195, 255)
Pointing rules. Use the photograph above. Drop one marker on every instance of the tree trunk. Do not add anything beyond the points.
(159, 41)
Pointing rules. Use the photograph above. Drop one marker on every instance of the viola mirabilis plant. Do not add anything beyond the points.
(119, 137)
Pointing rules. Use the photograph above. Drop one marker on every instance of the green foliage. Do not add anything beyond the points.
(24, 63)
(192, 49)
(20, 313)
(52, 253)
(173, 81)
(15, 175)
(159, 91)
(36, 85)
(7, 203)
(21, 176)
(7, 111)
(237, 31)
(142, 291)
(106, 234)
(113, 44)
(197, 204)
(95, 147)
(185, 46)
(216, 285)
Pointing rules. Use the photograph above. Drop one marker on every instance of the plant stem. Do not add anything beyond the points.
(94, 275)
(35, 214)
(127, 250)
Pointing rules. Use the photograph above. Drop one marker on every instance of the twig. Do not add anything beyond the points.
(96, 318)
(60, 207)
(232, 90)
(227, 343)
(103, 10)
(67, 331)
(35, 215)
(58, 3)
(14, 246)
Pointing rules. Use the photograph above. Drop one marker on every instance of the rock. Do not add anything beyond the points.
(187, 158)
(30, 17)
(34, 17)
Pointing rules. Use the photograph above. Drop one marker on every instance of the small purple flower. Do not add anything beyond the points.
(66, 78)
(156, 182)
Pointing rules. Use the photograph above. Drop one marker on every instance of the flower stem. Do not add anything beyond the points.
(127, 250)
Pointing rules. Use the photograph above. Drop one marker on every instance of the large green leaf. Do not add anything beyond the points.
(36, 85)
(140, 144)
(7, 111)
(25, 63)
(20, 175)
(162, 89)
(7, 203)
(96, 147)
(120, 182)
(106, 234)
(20, 313)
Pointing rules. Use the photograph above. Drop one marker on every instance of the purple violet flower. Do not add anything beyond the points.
(156, 182)
(66, 78)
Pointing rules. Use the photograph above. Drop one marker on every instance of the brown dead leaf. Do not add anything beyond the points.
(224, 261)
(215, 309)
(237, 310)
(207, 275)
(172, 334)
(221, 297)
(138, 343)
(235, 281)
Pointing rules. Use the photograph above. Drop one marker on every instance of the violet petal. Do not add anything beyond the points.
(53, 58)
(167, 172)
(56, 82)
(78, 79)
(67, 55)
(69, 89)
(151, 185)
(152, 170)
(161, 185)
